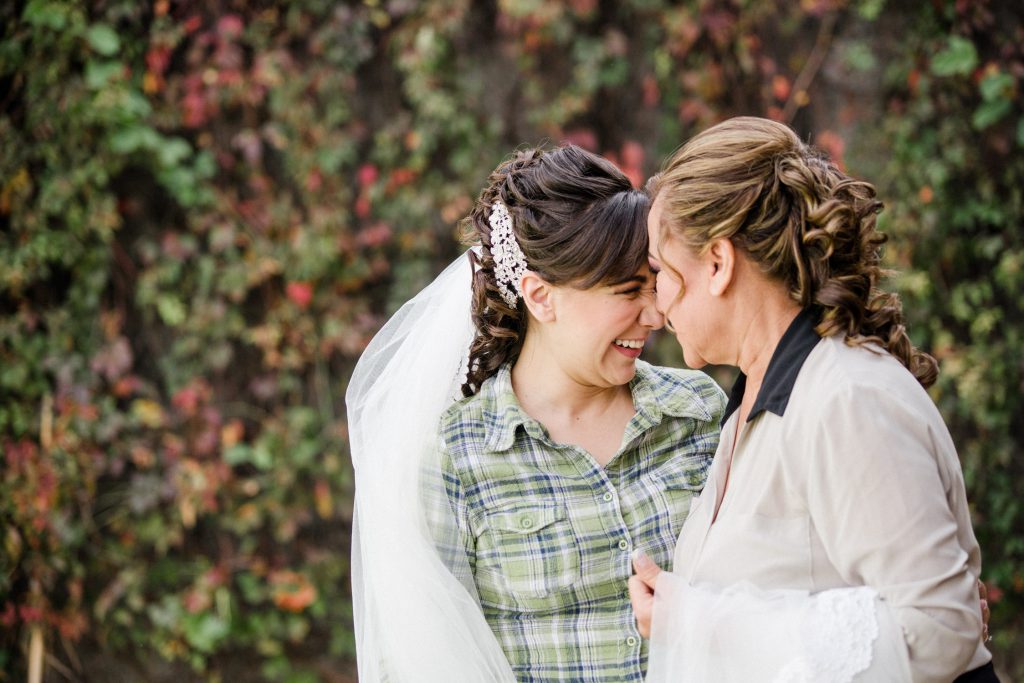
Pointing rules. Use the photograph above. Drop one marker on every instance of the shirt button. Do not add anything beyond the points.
(631, 641)
(607, 497)
(623, 544)
(526, 522)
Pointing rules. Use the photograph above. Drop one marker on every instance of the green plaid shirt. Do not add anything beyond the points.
(549, 533)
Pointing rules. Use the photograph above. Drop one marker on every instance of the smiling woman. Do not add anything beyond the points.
(565, 454)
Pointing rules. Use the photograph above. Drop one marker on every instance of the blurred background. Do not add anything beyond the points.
(208, 208)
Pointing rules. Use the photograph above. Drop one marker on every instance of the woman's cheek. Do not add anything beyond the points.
(666, 293)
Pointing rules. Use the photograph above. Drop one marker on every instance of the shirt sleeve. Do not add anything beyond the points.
(448, 518)
(879, 493)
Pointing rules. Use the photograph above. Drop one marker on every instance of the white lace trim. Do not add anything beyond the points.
(509, 260)
(840, 635)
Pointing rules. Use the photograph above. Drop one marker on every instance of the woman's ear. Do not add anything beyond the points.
(538, 294)
(721, 260)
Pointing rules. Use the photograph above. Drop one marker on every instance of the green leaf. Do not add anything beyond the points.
(995, 86)
(127, 140)
(204, 631)
(98, 74)
(51, 15)
(171, 310)
(870, 9)
(103, 39)
(958, 59)
(172, 151)
(990, 112)
(860, 57)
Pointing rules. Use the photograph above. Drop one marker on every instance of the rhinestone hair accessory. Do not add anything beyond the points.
(509, 261)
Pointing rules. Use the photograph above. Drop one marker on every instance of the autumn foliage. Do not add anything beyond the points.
(207, 209)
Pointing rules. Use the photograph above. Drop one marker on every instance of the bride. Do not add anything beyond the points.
(511, 451)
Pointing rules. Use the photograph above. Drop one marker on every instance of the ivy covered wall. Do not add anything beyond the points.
(207, 209)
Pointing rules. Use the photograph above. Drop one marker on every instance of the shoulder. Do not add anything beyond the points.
(464, 422)
(684, 392)
(865, 384)
(836, 367)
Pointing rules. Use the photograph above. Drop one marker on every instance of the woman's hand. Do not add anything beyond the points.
(641, 591)
(985, 614)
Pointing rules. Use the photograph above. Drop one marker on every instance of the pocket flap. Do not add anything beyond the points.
(691, 479)
(523, 519)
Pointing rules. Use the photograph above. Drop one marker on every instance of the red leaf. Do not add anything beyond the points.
(582, 137)
(230, 26)
(301, 293)
(375, 235)
(780, 87)
(187, 400)
(367, 175)
(362, 206)
(652, 94)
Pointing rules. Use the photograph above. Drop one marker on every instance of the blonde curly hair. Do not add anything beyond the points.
(795, 214)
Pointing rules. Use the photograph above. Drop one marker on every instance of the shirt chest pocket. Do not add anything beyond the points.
(526, 554)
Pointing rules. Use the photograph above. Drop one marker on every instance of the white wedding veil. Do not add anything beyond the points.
(416, 612)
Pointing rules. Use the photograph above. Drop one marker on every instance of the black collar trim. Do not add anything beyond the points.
(787, 360)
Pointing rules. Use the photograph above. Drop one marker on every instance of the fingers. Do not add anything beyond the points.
(642, 597)
(641, 591)
(985, 613)
(645, 568)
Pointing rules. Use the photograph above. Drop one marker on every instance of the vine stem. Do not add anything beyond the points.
(35, 654)
(822, 44)
(36, 650)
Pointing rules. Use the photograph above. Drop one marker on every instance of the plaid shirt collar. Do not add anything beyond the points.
(653, 398)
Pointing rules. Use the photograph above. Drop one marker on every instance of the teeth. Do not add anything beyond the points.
(630, 343)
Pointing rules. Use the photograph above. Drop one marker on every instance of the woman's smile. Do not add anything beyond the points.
(631, 348)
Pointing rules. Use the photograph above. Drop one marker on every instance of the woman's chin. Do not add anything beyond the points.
(622, 372)
(693, 360)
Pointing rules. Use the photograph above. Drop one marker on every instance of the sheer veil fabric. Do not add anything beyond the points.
(416, 612)
(741, 633)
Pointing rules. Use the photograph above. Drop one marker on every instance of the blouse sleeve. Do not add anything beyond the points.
(740, 633)
(880, 494)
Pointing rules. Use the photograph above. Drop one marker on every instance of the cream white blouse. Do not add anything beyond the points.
(855, 483)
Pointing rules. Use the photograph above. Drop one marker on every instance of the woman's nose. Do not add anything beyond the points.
(650, 316)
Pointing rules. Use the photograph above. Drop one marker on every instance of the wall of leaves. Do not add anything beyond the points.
(207, 208)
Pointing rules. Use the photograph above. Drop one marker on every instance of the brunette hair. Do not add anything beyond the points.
(799, 217)
(579, 222)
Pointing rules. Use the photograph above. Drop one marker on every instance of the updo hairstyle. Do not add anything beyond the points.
(579, 222)
(803, 221)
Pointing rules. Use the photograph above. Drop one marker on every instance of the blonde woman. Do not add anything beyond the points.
(833, 540)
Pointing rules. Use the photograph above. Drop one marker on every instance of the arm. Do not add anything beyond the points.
(878, 498)
(740, 633)
(448, 519)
